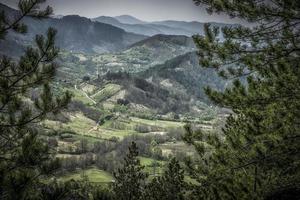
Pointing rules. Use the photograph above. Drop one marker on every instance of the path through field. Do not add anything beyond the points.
(87, 96)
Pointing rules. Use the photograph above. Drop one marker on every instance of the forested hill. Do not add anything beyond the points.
(184, 73)
(158, 40)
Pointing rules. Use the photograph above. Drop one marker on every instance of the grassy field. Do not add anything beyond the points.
(80, 96)
(159, 123)
(94, 175)
(86, 127)
(108, 91)
(172, 147)
(148, 161)
(97, 176)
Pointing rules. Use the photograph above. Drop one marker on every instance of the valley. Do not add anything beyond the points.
(142, 84)
(149, 100)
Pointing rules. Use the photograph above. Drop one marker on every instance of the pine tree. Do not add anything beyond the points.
(130, 179)
(24, 156)
(170, 186)
(257, 156)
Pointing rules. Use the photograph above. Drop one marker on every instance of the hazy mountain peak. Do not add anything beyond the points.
(127, 19)
(76, 18)
(107, 20)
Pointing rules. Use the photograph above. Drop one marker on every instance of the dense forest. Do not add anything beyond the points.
(126, 124)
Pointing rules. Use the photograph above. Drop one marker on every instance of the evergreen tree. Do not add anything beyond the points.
(257, 156)
(170, 186)
(130, 179)
(24, 156)
(74, 190)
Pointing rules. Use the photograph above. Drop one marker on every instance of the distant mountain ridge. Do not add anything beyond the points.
(127, 19)
(168, 27)
(75, 33)
(147, 29)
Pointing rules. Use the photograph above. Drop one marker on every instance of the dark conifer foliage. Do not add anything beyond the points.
(130, 179)
(258, 154)
(170, 186)
(24, 157)
(26, 8)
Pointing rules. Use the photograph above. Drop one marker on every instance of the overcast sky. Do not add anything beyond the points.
(147, 10)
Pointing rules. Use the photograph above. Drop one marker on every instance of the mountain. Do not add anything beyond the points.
(132, 28)
(80, 34)
(192, 27)
(169, 27)
(127, 19)
(75, 33)
(144, 29)
(108, 20)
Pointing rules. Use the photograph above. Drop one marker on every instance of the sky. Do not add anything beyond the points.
(146, 10)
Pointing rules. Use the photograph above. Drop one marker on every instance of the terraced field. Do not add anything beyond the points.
(159, 123)
(104, 93)
(83, 126)
(171, 147)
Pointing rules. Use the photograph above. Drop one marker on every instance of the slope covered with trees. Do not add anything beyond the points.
(257, 156)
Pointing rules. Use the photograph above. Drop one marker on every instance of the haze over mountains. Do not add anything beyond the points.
(127, 19)
(131, 24)
(168, 27)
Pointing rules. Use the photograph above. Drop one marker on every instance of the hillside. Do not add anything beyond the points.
(144, 54)
(145, 66)
(183, 74)
(176, 86)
